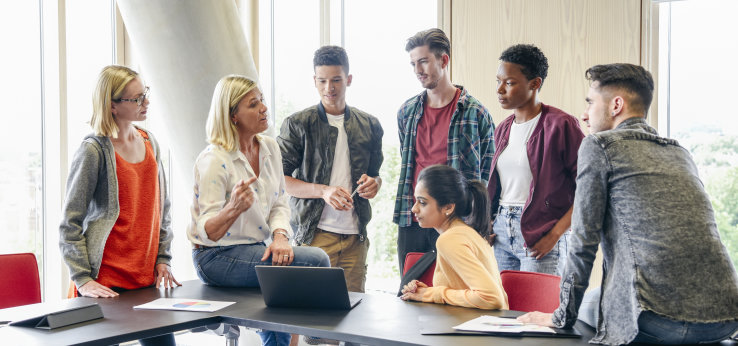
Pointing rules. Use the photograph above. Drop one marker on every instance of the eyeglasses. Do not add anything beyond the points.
(138, 100)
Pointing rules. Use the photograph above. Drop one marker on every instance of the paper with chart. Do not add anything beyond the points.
(184, 304)
(494, 324)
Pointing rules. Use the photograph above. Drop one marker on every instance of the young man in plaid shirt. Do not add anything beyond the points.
(442, 125)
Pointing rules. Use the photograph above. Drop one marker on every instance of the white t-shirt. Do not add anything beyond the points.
(513, 166)
(332, 220)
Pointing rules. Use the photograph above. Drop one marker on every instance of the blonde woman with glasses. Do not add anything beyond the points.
(115, 233)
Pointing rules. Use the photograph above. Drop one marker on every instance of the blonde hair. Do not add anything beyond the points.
(111, 82)
(228, 93)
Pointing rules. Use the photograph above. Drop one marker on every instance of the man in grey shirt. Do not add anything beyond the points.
(667, 277)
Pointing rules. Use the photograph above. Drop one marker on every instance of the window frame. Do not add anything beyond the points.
(54, 135)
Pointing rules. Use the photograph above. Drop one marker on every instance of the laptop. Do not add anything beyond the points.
(305, 287)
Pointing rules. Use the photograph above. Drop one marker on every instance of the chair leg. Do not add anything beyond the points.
(230, 331)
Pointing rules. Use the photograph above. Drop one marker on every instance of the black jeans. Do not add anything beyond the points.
(414, 238)
(161, 340)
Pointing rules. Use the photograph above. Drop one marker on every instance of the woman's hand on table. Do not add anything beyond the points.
(164, 276)
(93, 289)
(414, 290)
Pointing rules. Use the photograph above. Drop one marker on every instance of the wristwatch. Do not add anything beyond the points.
(279, 231)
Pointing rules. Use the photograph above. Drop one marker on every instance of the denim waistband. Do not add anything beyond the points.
(510, 208)
(203, 247)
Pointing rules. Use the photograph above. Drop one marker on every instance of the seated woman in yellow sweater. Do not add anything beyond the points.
(466, 270)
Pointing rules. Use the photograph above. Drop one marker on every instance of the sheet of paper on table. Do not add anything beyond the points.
(184, 304)
(503, 325)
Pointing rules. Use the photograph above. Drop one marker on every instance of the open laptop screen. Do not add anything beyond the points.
(304, 287)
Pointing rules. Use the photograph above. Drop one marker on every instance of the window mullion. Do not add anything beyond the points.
(54, 143)
(325, 22)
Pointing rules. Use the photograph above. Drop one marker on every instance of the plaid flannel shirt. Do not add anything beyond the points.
(470, 146)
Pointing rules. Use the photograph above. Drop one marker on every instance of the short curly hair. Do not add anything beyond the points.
(530, 57)
(331, 56)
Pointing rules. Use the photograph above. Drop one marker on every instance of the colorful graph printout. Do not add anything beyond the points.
(184, 304)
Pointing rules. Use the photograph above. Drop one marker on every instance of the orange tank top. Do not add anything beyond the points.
(131, 249)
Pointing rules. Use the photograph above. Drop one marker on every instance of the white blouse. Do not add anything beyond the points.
(217, 171)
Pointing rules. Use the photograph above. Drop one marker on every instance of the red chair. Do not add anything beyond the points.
(19, 284)
(528, 291)
(411, 258)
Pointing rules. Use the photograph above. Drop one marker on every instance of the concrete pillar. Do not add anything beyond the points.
(183, 49)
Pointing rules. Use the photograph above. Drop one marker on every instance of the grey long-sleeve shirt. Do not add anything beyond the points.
(640, 197)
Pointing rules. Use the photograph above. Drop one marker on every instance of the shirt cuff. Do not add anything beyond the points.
(202, 236)
(283, 223)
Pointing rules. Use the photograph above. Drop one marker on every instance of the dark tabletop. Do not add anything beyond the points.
(378, 319)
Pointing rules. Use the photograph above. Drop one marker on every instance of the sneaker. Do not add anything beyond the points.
(314, 340)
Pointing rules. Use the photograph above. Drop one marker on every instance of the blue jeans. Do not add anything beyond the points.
(269, 338)
(234, 266)
(511, 252)
(655, 329)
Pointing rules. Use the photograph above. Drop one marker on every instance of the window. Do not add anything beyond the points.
(374, 35)
(21, 200)
(52, 52)
(286, 55)
(382, 80)
(696, 78)
(90, 28)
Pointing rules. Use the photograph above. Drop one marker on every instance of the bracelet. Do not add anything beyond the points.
(285, 234)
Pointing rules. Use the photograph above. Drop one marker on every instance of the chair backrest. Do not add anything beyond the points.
(529, 291)
(411, 258)
(19, 283)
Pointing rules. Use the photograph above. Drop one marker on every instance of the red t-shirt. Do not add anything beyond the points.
(431, 141)
(133, 244)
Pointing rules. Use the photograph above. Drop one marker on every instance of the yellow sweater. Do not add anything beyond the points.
(466, 272)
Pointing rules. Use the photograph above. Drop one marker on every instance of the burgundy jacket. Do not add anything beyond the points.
(552, 154)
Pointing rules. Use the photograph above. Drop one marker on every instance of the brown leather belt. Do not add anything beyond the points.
(198, 246)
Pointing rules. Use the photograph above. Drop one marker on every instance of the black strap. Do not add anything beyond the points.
(417, 270)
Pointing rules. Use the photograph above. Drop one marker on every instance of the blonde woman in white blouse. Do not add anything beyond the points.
(240, 213)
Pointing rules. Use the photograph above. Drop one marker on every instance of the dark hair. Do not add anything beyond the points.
(632, 78)
(528, 56)
(331, 56)
(435, 39)
(447, 185)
